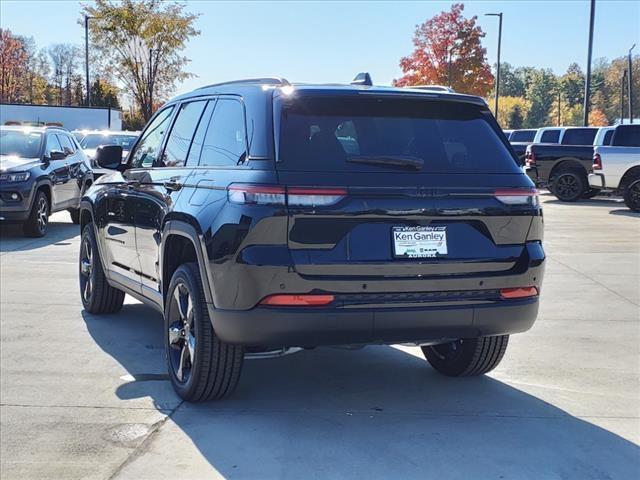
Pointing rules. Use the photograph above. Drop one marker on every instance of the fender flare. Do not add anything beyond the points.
(184, 229)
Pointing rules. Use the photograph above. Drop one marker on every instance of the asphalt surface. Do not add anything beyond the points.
(86, 396)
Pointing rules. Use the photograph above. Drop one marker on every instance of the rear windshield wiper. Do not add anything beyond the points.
(401, 161)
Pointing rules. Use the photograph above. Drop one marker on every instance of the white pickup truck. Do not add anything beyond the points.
(616, 167)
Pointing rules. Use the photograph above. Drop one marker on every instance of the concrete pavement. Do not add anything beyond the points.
(86, 396)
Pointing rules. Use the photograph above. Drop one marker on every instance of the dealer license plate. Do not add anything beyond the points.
(419, 241)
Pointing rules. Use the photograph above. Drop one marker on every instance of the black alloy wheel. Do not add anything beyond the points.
(182, 333)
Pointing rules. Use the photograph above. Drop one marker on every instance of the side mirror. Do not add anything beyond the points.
(109, 156)
(57, 155)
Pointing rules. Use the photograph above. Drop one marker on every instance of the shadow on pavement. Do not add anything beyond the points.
(606, 202)
(378, 412)
(625, 213)
(13, 240)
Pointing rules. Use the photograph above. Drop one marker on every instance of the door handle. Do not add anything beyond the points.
(172, 185)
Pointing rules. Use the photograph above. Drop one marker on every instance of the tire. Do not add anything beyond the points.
(467, 357)
(215, 371)
(590, 193)
(568, 185)
(38, 220)
(75, 215)
(632, 194)
(97, 295)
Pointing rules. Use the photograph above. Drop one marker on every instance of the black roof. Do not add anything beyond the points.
(280, 85)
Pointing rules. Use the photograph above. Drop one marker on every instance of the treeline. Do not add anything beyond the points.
(535, 97)
(48, 76)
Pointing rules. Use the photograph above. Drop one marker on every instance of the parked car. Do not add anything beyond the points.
(91, 140)
(616, 167)
(42, 170)
(564, 167)
(259, 214)
(603, 137)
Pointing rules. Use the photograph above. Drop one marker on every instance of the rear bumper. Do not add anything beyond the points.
(308, 327)
(596, 180)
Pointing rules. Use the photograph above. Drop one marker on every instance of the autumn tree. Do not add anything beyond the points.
(140, 44)
(13, 66)
(104, 94)
(597, 118)
(448, 51)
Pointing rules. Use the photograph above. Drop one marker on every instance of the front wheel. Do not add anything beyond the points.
(38, 220)
(467, 357)
(201, 366)
(568, 185)
(96, 293)
(632, 195)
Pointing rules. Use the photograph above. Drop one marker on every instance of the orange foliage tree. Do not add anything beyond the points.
(448, 51)
(13, 65)
(597, 118)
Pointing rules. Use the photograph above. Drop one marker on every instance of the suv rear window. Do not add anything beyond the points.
(385, 134)
(579, 136)
(627, 136)
(550, 136)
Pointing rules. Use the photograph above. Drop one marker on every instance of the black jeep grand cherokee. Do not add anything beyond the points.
(259, 214)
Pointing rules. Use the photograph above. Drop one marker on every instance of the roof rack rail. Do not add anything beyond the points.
(363, 78)
(283, 82)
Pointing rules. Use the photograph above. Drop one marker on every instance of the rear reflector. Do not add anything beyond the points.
(297, 300)
(250, 194)
(518, 196)
(519, 292)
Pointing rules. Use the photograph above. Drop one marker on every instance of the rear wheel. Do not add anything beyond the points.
(201, 366)
(467, 357)
(568, 185)
(38, 220)
(632, 194)
(97, 295)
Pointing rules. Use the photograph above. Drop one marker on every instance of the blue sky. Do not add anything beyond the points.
(331, 41)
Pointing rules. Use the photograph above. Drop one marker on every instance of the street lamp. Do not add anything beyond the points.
(499, 15)
(86, 56)
(630, 84)
(587, 84)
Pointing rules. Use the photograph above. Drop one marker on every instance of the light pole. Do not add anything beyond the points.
(499, 15)
(630, 84)
(86, 57)
(587, 84)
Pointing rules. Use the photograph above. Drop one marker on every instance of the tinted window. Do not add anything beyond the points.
(147, 151)
(627, 136)
(177, 149)
(225, 140)
(522, 136)
(550, 136)
(362, 134)
(67, 145)
(579, 136)
(20, 144)
(94, 140)
(52, 144)
(607, 137)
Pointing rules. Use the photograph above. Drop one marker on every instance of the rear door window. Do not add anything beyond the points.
(550, 136)
(385, 134)
(225, 141)
(627, 136)
(607, 137)
(579, 136)
(184, 128)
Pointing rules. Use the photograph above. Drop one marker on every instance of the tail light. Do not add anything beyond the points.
(297, 300)
(250, 194)
(597, 161)
(518, 292)
(529, 157)
(518, 196)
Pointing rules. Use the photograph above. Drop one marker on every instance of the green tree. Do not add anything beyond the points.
(511, 84)
(572, 85)
(515, 119)
(140, 44)
(104, 94)
(540, 92)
